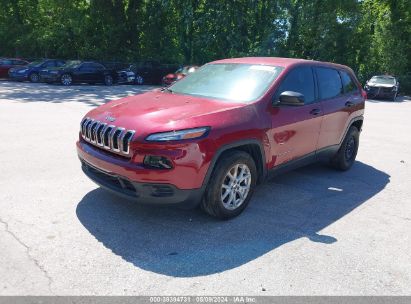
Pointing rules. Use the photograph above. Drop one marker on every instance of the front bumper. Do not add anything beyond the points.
(144, 193)
(380, 92)
(182, 185)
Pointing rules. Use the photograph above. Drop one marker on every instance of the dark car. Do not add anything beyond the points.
(382, 86)
(210, 140)
(32, 70)
(151, 72)
(79, 72)
(169, 79)
(7, 63)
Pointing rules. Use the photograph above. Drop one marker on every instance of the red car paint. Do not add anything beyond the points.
(169, 79)
(7, 63)
(283, 133)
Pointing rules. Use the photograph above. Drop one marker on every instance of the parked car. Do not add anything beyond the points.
(210, 140)
(182, 72)
(382, 86)
(7, 63)
(150, 72)
(32, 70)
(79, 72)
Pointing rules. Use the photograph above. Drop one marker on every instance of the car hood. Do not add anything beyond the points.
(380, 85)
(158, 111)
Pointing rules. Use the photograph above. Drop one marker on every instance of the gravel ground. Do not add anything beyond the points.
(313, 231)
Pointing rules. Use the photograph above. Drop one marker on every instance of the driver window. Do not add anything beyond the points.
(299, 80)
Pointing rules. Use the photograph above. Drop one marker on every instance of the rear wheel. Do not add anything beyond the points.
(66, 79)
(347, 153)
(34, 77)
(231, 185)
(108, 80)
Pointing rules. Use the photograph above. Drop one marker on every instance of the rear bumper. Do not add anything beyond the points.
(144, 193)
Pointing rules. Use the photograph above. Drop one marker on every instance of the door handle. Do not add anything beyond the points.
(315, 112)
(349, 104)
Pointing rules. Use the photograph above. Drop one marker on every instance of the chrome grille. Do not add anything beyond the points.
(106, 136)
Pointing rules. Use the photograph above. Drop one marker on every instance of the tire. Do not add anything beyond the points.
(108, 80)
(345, 157)
(222, 199)
(66, 79)
(34, 77)
(139, 80)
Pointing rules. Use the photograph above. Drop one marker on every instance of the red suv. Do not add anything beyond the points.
(210, 138)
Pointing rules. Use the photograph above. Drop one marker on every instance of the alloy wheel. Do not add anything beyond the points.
(34, 77)
(236, 186)
(66, 79)
(139, 80)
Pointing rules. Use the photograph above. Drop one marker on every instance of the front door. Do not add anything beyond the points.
(295, 129)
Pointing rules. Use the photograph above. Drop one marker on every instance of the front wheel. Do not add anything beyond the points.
(34, 77)
(347, 153)
(66, 79)
(231, 185)
(108, 80)
(139, 80)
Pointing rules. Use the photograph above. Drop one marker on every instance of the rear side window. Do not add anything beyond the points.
(329, 83)
(299, 80)
(348, 84)
(49, 64)
(18, 62)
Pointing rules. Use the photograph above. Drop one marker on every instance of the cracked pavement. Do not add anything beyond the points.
(312, 231)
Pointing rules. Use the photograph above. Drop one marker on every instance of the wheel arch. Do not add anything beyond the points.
(251, 146)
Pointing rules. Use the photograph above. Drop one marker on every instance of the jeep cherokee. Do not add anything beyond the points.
(210, 138)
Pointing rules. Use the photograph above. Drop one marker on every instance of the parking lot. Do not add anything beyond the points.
(313, 231)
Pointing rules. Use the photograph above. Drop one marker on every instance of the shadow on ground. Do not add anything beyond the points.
(92, 95)
(187, 243)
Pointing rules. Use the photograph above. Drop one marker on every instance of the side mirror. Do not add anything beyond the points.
(291, 98)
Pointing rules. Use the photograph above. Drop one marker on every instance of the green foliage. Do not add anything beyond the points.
(371, 36)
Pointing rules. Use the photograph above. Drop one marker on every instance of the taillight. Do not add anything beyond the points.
(364, 94)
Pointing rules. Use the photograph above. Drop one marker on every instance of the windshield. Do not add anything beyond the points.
(35, 63)
(232, 82)
(72, 64)
(383, 80)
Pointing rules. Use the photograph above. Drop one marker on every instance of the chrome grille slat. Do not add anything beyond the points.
(108, 137)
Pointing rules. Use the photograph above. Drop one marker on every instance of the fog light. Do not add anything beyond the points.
(158, 162)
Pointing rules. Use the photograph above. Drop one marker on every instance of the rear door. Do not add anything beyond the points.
(295, 129)
(339, 96)
(97, 72)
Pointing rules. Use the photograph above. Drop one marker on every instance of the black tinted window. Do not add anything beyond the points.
(97, 66)
(348, 83)
(329, 83)
(49, 64)
(299, 80)
(85, 66)
(18, 62)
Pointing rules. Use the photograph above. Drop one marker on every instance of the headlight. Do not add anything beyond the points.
(54, 72)
(179, 135)
(22, 71)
